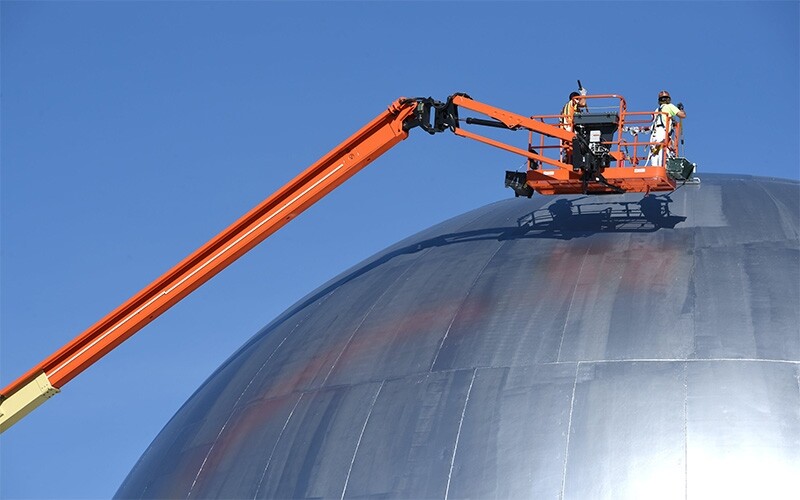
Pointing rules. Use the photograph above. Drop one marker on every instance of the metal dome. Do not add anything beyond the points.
(576, 347)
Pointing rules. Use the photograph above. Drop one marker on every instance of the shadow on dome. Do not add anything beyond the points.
(567, 219)
(563, 219)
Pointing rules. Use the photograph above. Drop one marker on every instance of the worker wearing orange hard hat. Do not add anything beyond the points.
(661, 126)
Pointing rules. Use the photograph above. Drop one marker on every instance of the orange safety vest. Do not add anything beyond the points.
(567, 114)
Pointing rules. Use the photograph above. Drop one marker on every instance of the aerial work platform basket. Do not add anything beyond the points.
(612, 151)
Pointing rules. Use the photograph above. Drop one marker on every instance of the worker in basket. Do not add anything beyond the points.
(567, 119)
(661, 127)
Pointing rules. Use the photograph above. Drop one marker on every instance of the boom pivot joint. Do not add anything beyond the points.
(433, 116)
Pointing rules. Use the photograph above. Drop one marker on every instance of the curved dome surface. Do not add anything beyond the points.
(557, 347)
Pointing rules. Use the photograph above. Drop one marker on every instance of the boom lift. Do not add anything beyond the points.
(600, 164)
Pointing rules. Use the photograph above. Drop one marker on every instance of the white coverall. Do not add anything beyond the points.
(660, 131)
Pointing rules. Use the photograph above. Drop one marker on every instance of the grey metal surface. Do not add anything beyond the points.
(577, 347)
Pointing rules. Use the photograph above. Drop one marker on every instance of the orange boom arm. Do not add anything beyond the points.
(46, 378)
(381, 134)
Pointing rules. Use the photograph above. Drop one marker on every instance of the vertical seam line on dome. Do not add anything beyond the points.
(779, 207)
(686, 430)
(236, 403)
(695, 309)
(469, 291)
(458, 434)
(361, 323)
(275, 446)
(361, 436)
(461, 306)
(571, 300)
(569, 431)
(230, 415)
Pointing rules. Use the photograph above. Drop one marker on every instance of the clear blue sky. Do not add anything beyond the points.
(133, 132)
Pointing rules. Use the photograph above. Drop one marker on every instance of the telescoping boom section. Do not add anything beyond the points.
(558, 161)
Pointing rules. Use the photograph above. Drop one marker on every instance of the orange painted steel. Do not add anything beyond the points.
(512, 120)
(630, 179)
(551, 176)
(319, 179)
(626, 173)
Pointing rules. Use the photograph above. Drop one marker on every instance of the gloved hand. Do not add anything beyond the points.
(583, 91)
(680, 106)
